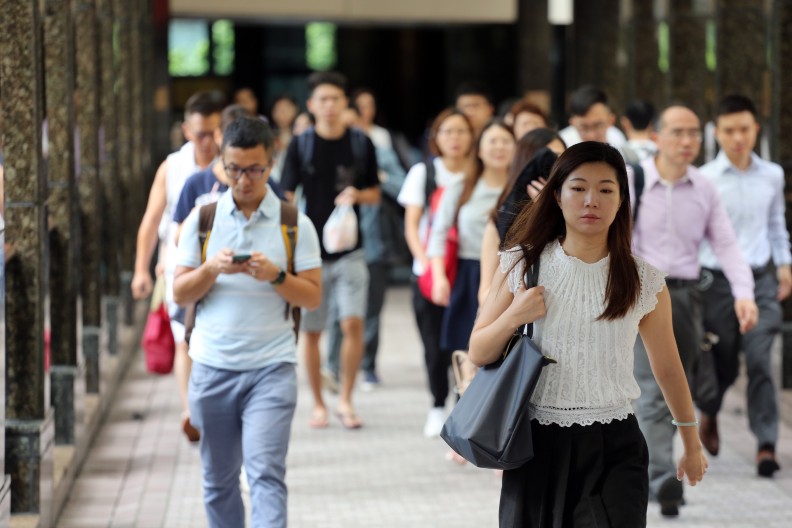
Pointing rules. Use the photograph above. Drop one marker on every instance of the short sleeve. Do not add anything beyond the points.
(186, 202)
(308, 253)
(413, 192)
(511, 266)
(189, 249)
(652, 282)
(290, 173)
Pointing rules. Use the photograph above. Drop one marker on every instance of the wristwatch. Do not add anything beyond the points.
(280, 278)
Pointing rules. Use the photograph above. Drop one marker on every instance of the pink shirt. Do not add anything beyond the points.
(673, 220)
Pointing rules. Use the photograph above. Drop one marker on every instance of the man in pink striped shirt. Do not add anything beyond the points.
(680, 208)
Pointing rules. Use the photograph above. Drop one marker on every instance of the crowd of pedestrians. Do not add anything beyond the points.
(640, 254)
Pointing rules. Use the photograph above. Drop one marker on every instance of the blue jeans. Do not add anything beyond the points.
(250, 413)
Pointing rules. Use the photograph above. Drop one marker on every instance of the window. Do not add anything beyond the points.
(189, 45)
(320, 45)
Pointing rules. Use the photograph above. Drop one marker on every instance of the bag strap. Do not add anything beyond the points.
(360, 150)
(289, 231)
(638, 184)
(206, 216)
(431, 184)
(305, 149)
(532, 280)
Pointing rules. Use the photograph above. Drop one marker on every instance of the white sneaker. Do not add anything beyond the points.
(434, 422)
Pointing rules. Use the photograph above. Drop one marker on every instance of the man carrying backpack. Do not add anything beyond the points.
(243, 386)
(336, 165)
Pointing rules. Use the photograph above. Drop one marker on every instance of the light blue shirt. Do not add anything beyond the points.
(240, 323)
(754, 201)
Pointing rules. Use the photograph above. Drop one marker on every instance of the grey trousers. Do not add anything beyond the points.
(654, 417)
(719, 319)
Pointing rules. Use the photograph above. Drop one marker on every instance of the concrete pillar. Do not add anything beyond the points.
(112, 232)
(29, 430)
(534, 40)
(644, 80)
(691, 82)
(596, 49)
(89, 188)
(742, 52)
(62, 204)
(122, 13)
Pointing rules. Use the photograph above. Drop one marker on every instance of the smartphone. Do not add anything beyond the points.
(240, 258)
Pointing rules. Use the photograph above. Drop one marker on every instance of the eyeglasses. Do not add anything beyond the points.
(254, 172)
(201, 136)
(591, 128)
(453, 132)
(679, 133)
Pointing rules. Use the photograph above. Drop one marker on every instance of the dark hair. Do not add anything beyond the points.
(735, 103)
(525, 150)
(640, 113)
(357, 92)
(658, 121)
(523, 106)
(333, 78)
(205, 103)
(247, 133)
(473, 88)
(582, 99)
(434, 149)
(542, 221)
(231, 113)
(285, 97)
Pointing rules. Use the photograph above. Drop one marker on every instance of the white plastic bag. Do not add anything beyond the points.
(340, 233)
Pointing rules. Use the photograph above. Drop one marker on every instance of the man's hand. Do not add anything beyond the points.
(223, 262)
(348, 196)
(784, 275)
(261, 268)
(142, 285)
(747, 314)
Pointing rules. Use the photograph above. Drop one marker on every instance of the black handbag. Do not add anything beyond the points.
(489, 425)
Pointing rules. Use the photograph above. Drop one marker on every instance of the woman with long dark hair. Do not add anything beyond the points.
(593, 298)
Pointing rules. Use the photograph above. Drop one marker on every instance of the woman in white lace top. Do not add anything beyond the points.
(594, 297)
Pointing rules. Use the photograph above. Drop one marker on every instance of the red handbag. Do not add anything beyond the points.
(158, 343)
(425, 281)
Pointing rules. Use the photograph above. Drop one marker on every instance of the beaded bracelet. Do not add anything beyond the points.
(694, 423)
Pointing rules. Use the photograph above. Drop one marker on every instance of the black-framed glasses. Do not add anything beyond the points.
(254, 172)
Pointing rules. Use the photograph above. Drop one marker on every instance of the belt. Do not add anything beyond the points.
(673, 282)
(757, 272)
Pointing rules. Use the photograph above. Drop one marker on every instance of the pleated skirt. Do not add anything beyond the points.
(580, 477)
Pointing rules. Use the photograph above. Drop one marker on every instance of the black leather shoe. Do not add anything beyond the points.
(766, 463)
(708, 432)
(670, 497)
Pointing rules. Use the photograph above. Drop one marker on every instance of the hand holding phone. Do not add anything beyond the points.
(240, 258)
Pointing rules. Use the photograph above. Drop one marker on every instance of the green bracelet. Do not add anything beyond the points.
(684, 424)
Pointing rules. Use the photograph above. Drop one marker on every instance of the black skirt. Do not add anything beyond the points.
(460, 315)
(580, 477)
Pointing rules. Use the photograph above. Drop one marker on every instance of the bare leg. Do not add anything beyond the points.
(313, 363)
(351, 355)
(182, 365)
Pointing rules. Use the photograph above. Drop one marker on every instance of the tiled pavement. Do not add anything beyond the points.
(141, 472)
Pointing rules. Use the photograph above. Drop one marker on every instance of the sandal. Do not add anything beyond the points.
(349, 419)
(318, 420)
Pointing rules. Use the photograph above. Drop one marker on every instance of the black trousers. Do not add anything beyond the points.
(580, 477)
(429, 318)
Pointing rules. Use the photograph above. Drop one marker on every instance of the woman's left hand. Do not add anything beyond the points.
(694, 465)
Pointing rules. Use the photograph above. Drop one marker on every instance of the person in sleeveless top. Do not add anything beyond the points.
(590, 464)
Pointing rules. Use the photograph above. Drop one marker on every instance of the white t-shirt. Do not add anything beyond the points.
(413, 192)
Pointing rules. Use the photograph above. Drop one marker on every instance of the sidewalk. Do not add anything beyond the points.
(141, 471)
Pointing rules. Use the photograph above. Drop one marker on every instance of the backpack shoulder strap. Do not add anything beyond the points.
(305, 149)
(359, 149)
(638, 184)
(431, 184)
(206, 216)
(289, 231)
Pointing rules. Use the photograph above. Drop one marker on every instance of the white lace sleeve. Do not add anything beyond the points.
(509, 265)
(652, 281)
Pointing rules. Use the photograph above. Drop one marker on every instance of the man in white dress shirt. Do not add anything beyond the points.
(752, 190)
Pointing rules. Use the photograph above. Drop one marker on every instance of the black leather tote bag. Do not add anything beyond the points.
(489, 425)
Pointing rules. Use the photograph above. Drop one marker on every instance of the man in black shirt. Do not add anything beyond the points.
(335, 165)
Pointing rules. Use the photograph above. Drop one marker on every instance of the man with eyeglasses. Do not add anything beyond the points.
(752, 190)
(202, 188)
(243, 386)
(336, 165)
(680, 209)
(591, 119)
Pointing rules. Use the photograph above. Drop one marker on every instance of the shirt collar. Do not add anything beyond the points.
(268, 208)
(723, 163)
(652, 175)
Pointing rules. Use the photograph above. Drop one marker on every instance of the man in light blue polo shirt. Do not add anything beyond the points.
(243, 388)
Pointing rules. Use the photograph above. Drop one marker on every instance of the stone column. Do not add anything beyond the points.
(29, 421)
(690, 80)
(89, 188)
(112, 232)
(644, 79)
(742, 51)
(62, 203)
(129, 220)
(534, 39)
(596, 49)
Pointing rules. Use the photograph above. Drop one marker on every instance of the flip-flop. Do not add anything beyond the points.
(349, 420)
(318, 421)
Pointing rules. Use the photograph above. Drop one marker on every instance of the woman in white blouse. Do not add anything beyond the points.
(593, 298)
